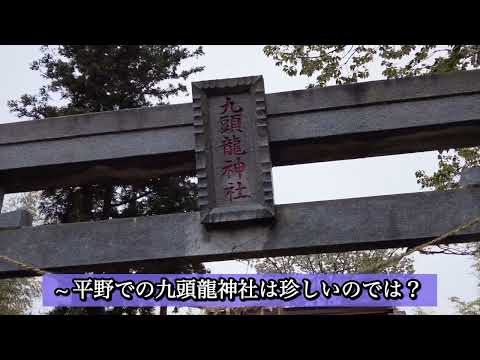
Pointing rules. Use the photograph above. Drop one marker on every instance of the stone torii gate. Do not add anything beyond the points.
(230, 137)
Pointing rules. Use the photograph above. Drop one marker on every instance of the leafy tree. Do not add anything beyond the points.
(466, 307)
(470, 307)
(83, 79)
(18, 294)
(344, 64)
(344, 263)
(421, 311)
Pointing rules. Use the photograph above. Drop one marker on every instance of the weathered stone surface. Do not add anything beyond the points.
(2, 193)
(327, 226)
(316, 99)
(105, 122)
(368, 119)
(373, 92)
(470, 177)
(15, 219)
(334, 123)
(232, 150)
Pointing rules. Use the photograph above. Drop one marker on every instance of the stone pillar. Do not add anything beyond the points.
(2, 192)
(470, 177)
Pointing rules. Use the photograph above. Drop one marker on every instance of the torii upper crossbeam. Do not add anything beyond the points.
(333, 123)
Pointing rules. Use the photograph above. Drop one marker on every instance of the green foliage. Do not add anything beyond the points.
(344, 64)
(17, 295)
(105, 78)
(470, 307)
(344, 263)
(83, 79)
(450, 165)
(467, 308)
(421, 311)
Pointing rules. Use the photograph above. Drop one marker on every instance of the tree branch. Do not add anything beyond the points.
(422, 246)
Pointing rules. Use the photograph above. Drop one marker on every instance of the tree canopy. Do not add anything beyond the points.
(345, 64)
(94, 78)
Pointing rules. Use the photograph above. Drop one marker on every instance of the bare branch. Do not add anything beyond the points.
(424, 245)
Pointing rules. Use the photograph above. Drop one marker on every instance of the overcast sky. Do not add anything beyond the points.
(320, 181)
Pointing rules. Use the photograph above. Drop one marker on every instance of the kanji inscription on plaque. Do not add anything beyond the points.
(232, 150)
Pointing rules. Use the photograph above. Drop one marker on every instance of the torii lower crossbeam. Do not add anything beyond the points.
(328, 226)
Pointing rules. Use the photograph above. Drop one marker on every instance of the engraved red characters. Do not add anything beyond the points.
(233, 167)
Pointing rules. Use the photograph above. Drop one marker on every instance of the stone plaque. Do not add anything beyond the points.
(232, 150)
